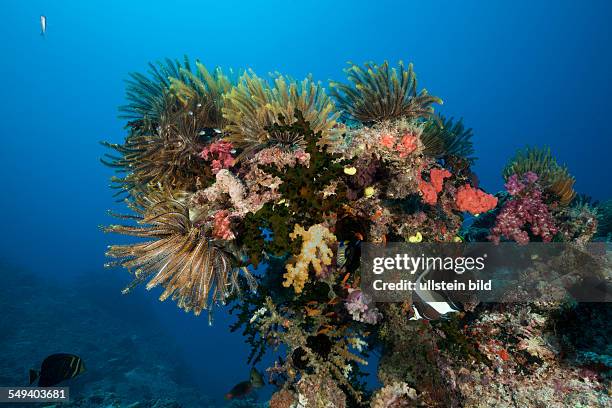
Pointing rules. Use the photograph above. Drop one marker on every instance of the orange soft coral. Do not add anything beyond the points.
(474, 200)
(315, 251)
(430, 190)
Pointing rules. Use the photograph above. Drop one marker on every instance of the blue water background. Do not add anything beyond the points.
(518, 72)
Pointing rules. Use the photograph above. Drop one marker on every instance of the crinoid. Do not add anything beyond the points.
(148, 96)
(202, 92)
(174, 118)
(443, 137)
(180, 255)
(554, 178)
(167, 156)
(378, 93)
(253, 106)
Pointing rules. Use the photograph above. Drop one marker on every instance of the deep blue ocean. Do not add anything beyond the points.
(518, 72)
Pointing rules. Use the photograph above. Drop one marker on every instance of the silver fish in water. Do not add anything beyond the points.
(43, 25)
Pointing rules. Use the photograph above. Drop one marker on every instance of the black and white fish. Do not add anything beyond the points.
(431, 305)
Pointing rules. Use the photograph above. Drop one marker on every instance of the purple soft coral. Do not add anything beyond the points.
(525, 209)
(359, 306)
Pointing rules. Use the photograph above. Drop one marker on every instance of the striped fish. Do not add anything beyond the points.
(57, 368)
(431, 305)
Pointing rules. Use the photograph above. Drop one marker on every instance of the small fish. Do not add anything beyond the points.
(244, 388)
(256, 378)
(57, 368)
(341, 254)
(208, 132)
(43, 25)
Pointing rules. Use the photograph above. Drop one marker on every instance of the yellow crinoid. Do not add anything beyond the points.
(254, 104)
(195, 270)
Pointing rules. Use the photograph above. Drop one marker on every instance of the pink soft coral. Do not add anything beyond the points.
(361, 308)
(222, 225)
(220, 155)
(474, 200)
(526, 209)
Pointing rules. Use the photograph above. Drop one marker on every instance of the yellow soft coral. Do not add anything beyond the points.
(315, 251)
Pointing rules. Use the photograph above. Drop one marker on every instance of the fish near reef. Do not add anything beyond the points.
(240, 390)
(256, 378)
(57, 368)
(244, 388)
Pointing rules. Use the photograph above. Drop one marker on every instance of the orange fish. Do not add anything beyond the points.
(312, 312)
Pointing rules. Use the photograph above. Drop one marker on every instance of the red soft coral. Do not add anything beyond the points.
(430, 190)
(387, 140)
(474, 200)
(407, 145)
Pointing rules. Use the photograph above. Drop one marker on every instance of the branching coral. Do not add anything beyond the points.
(315, 251)
(553, 178)
(180, 256)
(316, 346)
(253, 106)
(378, 93)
